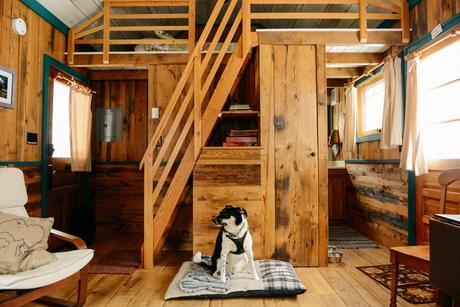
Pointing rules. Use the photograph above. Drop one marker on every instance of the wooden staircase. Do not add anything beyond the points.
(188, 120)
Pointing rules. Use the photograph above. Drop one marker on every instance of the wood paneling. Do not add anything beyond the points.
(338, 180)
(118, 197)
(131, 97)
(376, 202)
(225, 176)
(428, 193)
(289, 84)
(24, 55)
(426, 15)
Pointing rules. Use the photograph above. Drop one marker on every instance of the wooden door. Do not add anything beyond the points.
(64, 193)
(293, 85)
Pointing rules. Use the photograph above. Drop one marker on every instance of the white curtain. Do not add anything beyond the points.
(392, 122)
(412, 156)
(349, 137)
(80, 130)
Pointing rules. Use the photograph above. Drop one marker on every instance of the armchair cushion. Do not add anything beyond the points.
(67, 264)
(24, 243)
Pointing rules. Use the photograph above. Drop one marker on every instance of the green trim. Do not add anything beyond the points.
(413, 3)
(446, 26)
(20, 163)
(373, 161)
(47, 15)
(329, 120)
(411, 207)
(368, 138)
(363, 79)
(48, 62)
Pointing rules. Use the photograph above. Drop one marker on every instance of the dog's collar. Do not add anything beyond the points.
(238, 234)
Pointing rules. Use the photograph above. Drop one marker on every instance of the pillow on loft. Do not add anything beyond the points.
(277, 278)
(24, 243)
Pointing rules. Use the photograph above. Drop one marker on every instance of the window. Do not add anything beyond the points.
(439, 94)
(370, 106)
(60, 124)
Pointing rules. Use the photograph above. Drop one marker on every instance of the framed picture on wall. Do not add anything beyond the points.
(7, 87)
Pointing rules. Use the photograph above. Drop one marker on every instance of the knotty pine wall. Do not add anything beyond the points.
(24, 55)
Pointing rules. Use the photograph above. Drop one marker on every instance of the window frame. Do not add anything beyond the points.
(369, 135)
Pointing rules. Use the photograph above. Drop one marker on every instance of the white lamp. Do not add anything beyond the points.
(19, 26)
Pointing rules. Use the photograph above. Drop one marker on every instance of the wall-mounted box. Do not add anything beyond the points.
(109, 123)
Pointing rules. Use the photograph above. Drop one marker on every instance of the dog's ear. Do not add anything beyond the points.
(244, 212)
(228, 206)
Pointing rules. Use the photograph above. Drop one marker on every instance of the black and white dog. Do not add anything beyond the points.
(233, 251)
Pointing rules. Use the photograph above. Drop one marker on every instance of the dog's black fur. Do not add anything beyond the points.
(226, 213)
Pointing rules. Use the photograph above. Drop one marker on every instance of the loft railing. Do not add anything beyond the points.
(85, 33)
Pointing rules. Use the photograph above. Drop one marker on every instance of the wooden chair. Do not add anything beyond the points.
(24, 287)
(419, 256)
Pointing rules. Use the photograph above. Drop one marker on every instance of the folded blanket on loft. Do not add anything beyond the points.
(278, 278)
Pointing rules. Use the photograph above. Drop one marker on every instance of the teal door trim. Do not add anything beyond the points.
(48, 63)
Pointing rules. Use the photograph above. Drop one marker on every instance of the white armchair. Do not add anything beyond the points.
(24, 287)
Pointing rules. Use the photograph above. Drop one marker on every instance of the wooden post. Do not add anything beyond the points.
(246, 27)
(71, 46)
(191, 26)
(197, 105)
(148, 213)
(405, 22)
(362, 21)
(106, 39)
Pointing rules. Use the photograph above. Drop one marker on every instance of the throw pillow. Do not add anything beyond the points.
(24, 243)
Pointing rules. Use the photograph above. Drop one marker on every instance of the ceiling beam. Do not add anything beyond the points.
(332, 37)
(331, 83)
(343, 72)
(354, 58)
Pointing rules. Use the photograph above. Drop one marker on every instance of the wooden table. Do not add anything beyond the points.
(417, 257)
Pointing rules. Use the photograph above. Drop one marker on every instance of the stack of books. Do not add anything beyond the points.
(239, 107)
(241, 138)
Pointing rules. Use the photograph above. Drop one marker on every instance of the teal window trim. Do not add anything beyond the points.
(43, 12)
(48, 63)
(368, 138)
(363, 79)
(374, 161)
(20, 163)
(411, 208)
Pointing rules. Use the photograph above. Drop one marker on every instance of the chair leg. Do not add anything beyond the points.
(82, 287)
(394, 284)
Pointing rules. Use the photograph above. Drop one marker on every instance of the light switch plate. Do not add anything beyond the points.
(155, 113)
(436, 31)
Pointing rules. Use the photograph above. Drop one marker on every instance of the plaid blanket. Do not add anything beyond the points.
(279, 275)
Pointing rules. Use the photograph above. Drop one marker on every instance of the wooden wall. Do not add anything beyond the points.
(426, 15)
(376, 203)
(292, 82)
(24, 55)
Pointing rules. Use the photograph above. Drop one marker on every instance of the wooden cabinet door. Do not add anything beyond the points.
(291, 87)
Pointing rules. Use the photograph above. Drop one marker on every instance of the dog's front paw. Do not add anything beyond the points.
(256, 277)
(223, 280)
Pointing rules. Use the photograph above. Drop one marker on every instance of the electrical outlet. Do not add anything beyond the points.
(155, 113)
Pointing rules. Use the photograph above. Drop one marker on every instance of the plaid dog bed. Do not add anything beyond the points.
(278, 278)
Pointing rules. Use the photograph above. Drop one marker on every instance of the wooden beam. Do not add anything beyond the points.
(106, 35)
(362, 21)
(354, 58)
(331, 83)
(328, 37)
(348, 72)
(133, 74)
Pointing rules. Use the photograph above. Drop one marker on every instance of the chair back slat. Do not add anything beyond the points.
(445, 179)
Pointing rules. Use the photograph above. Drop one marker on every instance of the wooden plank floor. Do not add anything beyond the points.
(337, 285)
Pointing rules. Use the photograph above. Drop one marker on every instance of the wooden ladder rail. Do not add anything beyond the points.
(156, 227)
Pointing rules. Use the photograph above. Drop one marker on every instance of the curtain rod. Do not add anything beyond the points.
(72, 81)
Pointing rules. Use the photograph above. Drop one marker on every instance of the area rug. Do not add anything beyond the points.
(413, 285)
(117, 262)
(346, 237)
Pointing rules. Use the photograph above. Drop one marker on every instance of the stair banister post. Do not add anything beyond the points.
(106, 33)
(246, 27)
(197, 139)
(148, 250)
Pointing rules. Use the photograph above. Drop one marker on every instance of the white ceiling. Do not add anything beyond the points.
(73, 12)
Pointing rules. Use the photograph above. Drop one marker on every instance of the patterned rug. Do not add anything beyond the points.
(117, 262)
(347, 238)
(413, 285)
